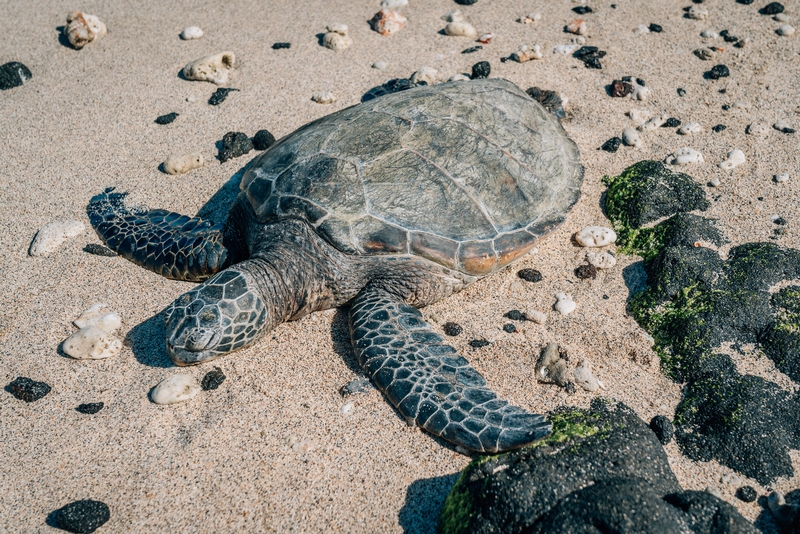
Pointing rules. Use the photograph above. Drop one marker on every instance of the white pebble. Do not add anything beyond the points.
(595, 236)
(526, 54)
(191, 32)
(82, 29)
(453, 16)
(577, 26)
(697, 13)
(176, 388)
(337, 27)
(564, 304)
(638, 115)
(428, 75)
(709, 34)
(393, 4)
(782, 177)
(387, 22)
(584, 377)
(336, 41)
(98, 315)
(735, 158)
(91, 343)
(684, 156)
(640, 92)
(641, 29)
(782, 125)
(786, 30)
(714, 182)
(179, 164)
(52, 235)
(653, 124)
(324, 97)
(758, 129)
(781, 17)
(631, 137)
(380, 65)
(536, 316)
(530, 18)
(459, 78)
(601, 260)
(565, 48)
(461, 29)
(347, 407)
(191, 99)
(215, 68)
(690, 128)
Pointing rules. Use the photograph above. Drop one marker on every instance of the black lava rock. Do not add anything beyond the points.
(509, 328)
(465, 2)
(590, 55)
(612, 145)
(718, 71)
(530, 275)
(582, 10)
(213, 379)
(746, 494)
(672, 122)
(779, 220)
(592, 63)
(772, 8)
(166, 119)
(90, 408)
(481, 69)
(587, 271)
(515, 315)
(619, 89)
(234, 144)
(99, 250)
(681, 91)
(13, 74)
(745, 2)
(655, 28)
(359, 385)
(662, 428)
(82, 517)
(472, 49)
(718, 128)
(548, 99)
(278, 46)
(725, 34)
(263, 139)
(479, 343)
(220, 95)
(570, 388)
(452, 329)
(27, 390)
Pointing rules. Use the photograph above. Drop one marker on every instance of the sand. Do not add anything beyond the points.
(225, 461)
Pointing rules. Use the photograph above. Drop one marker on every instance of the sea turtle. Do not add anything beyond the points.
(388, 205)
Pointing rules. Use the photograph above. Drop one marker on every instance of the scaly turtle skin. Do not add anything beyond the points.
(389, 205)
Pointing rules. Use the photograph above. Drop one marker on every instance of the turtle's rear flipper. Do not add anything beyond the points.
(429, 382)
(170, 244)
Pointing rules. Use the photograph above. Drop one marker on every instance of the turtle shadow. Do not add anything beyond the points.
(765, 522)
(216, 208)
(423, 505)
(146, 341)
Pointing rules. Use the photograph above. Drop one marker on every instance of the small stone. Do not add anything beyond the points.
(662, 428)
(215, 68)
(777, 219)
(461, 29)
(584, 377)
(27, 390)
(746, 494)
(706, 54)
(591, 56)
(564, 304)
(166, 119)
(387, 22)
(783, 126)
(786, 515)
(525, 53)
(708, 34)
(380, 65)
(655, 28)
(565, 48)
(53, 235)
(429, 75)
(99, 250)
(263, 139)
(485, 38)
(735, 158)
(612, 145)
(472, 49)
(684, 156)
(620, 89)
(452, 329)
(697, 13)
(577, 26)
(82, 517)
(757, 129)
(551, 368)
(782, 177)
(601, 260)
(234, 144)
(91, 343)
(681, 91)
(515, 315)
(99, 316)
(772, 8)
(719, 71)
(631, 137)
(595, 236)
(347, 408)
(281, 46)
(337, 27)
(176, 388)
(465, 2)
(509, 328)
(82, 29)
(180, 164)
(570, 388)
(191, 32)
(530, 275)
(479, 343)
(459, 78)
(641, 29)
(13, 74)
(482, 69)
(671, 122)
(718, 128)
(359, 385)
(781, 17)
(336, 38)
(536, 316)
(690, 129)
(453, 16)
(219, 96)
(90, 408)
(582, 10)
(213, 379)
(653, 124)
(530, 18)
(584, 272)
(714, 182)
(640, 92)
(741, 43)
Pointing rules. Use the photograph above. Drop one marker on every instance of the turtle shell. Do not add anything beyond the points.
(467, 174)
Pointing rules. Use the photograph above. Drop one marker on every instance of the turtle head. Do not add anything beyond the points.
(223, 314)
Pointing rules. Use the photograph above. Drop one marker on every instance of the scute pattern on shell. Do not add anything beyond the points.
(466, 174)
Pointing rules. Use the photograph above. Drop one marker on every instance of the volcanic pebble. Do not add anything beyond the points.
(281, 46)
(585, 272)
(719, 71)
(213, 379)
(99, 250)
(82, 517)
(515, 315)
(13, 74)
(746, 494)
(452, 329)
(509, 328)
(27, 390)
(772, 8)
(234, 144)
(530, 275)
(612, 145)
(482, 69)
(166, 119)
(263, 139)
(90, 408)
(220, 95)
(662, 428)
(479, 343)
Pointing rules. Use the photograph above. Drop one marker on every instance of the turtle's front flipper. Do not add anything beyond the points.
(166, 243)
(429, 382)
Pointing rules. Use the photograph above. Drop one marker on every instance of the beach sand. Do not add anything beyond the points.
(224, 461)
